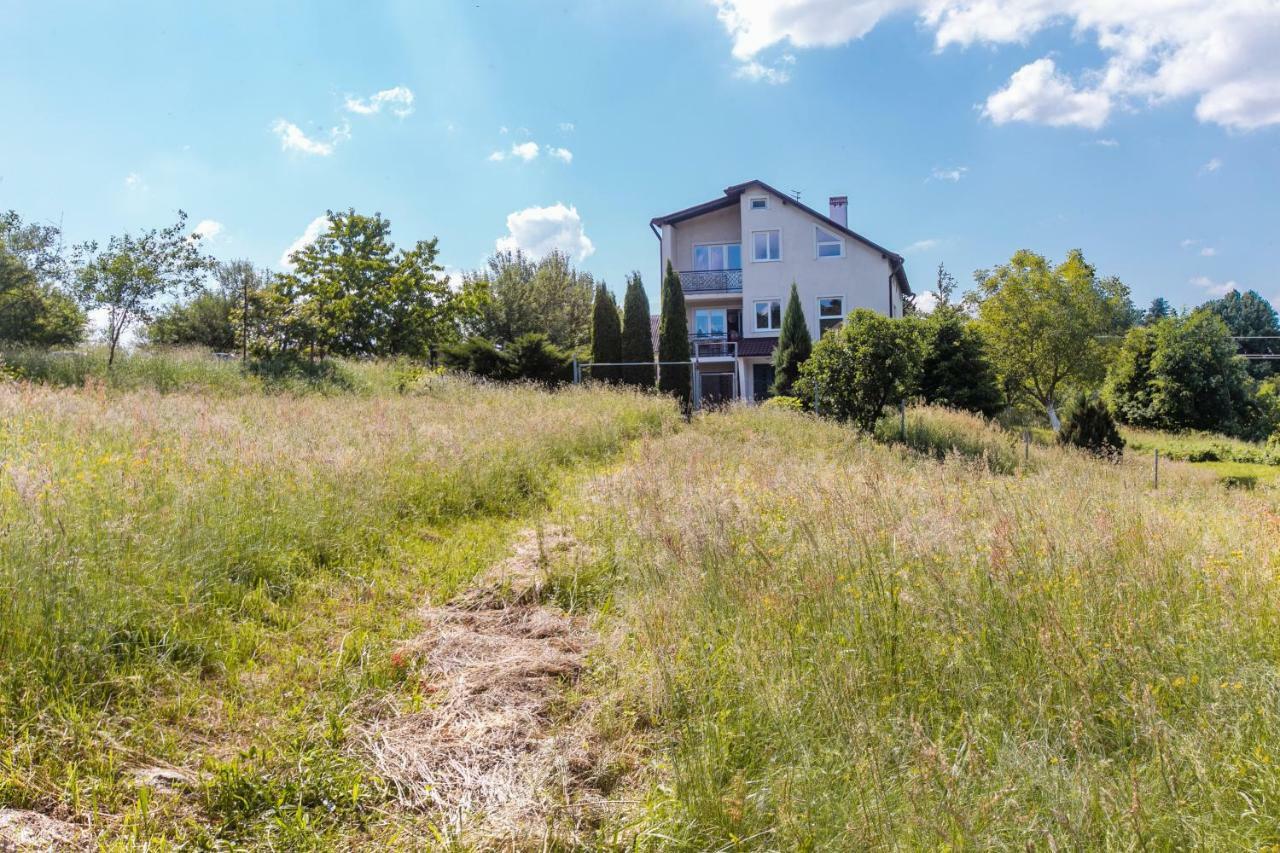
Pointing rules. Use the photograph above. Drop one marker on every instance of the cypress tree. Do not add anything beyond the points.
(794, 346)
(606, 335)
(637, 339)
(673, 338)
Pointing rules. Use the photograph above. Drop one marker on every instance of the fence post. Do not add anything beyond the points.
(1156, 470)
(816, 387)
(577, 371)
(1026, 445)
(902, 419)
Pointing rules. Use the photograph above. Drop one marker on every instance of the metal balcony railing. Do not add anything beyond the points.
(711, 281)
(714, 347)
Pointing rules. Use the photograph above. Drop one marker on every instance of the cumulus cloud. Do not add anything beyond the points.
(134, 181)
(1107, 143)
(399, 98)
(539, 230)
(1212, 166)
(922, 245)
(1214, 288)
(954, 174)
(564, 155)
(759, 72)
(1037, 93)
(1219, 52)
(926, 301)
(292, 138)
(1208, 252)
(207, 229)
(314, 230)
(567, 127)
(528, 151)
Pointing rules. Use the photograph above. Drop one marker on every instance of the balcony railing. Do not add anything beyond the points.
(711, 281)
(714, 347)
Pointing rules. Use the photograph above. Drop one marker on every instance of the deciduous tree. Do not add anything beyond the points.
(1046, 326)
(127, 279)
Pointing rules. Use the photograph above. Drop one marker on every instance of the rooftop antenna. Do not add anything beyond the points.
(795, 194)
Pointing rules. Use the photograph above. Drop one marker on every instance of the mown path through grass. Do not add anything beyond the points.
(214, 589)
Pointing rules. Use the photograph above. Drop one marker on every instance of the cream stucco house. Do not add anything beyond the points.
(738, 255)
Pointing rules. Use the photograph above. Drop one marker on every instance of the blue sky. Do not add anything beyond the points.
(961, 131)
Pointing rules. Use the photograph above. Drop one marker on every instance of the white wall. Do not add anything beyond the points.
(861, 277)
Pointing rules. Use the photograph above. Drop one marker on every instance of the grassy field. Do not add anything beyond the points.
(851, 646)
(809, 639)
(210, 583)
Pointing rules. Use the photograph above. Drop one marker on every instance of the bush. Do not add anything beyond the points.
(477, 356)
(790, 404)
(869, 362)
(534, 357)
(1090, 427)
(956, 372)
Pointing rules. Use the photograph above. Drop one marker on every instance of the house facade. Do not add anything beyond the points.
(737, 256)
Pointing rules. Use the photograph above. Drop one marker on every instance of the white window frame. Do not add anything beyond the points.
(751, 202)
(817, 244)
(726, 244)
(724, 323)
(755, 315)
(756, 260)
(818, 312)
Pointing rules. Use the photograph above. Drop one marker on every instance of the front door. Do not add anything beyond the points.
(761, 382)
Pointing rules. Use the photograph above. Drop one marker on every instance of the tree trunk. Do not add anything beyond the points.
(1053, 416)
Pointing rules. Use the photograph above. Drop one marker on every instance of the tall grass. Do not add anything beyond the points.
(196, 370)
(846, 648)
(941, 432)
(155, 540)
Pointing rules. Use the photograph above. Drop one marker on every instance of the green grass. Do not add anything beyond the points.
(842, 647)
(940, 432)
(1201, 447)
(214, 580)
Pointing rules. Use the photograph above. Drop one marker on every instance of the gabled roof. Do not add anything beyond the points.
(734, 193)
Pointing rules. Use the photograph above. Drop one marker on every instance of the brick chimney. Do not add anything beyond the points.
(840, 209)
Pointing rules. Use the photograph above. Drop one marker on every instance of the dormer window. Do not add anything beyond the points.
(760, 202)
(829, 245)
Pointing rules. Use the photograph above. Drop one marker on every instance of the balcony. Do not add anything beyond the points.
(711, 281)
(713, 346)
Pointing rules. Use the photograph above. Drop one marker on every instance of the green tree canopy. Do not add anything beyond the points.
(1249, 315)
(606, 335)
(34, 309)
(1045, 325)
(868, 363)
(359, 295)
(1159, 309)
(956, 371)
(521, 296)
(794, 346)
(128, 278)
(673, 338)
(637, 334)
(1182, 373)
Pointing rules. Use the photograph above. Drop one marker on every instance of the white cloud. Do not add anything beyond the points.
(497, 156)
(1107, 143)
(1212, 166)
(1037, 93)
(526, 151)
(293, 139)
(400, 97)
(207, 229)
(922, 246)
(1219, 52)
(954, 174)
(1188, 243)
(926, 301)
(1208, 252)
(313, 232)
(539, 230)
(562, 154)
(503, 130)
(134, 181)
(567, 127)
(1214, 288)
(759, 72)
